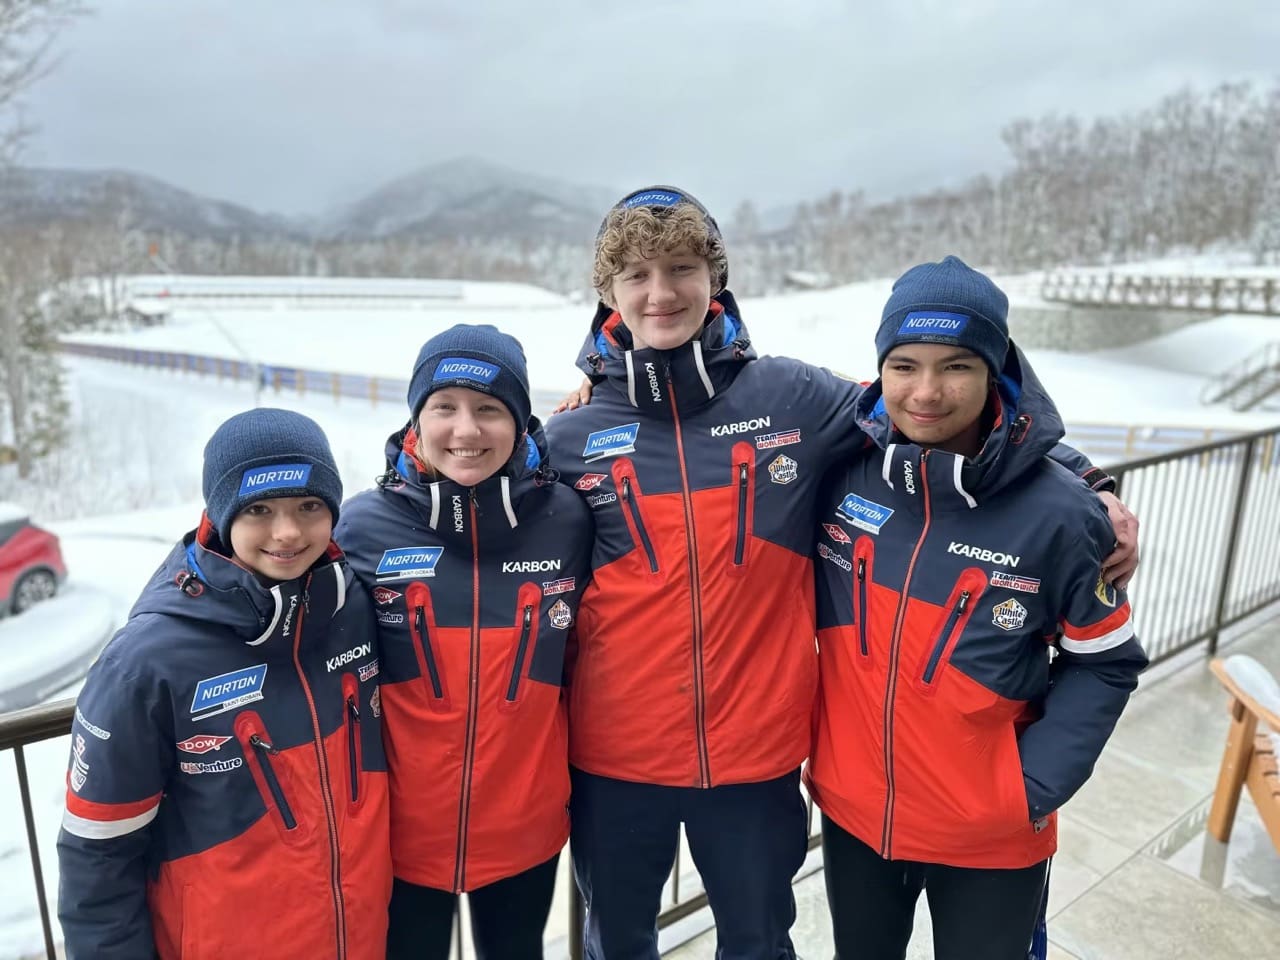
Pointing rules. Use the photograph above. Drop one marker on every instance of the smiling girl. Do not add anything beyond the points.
(476, 559)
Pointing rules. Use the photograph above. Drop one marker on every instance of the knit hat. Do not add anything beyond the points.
(660, 197)
(478, 357)
(947, 302)
(265, 453)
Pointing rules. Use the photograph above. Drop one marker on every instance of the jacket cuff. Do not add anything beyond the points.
(1099, 480)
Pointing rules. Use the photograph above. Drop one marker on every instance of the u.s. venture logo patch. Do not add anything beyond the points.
(464, 368)
(862, 513)
(612, 442)
(227, 691)
(275, 477)
(405, 562)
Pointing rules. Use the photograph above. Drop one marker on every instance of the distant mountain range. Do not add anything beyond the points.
(460, 198)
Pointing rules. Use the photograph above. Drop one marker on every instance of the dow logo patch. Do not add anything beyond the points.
(613, 442)
(402, 563)
(227, 691)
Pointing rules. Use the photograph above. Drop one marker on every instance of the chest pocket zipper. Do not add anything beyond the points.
(957, 611)
(633, 509)
(265, 751)
(517, 669)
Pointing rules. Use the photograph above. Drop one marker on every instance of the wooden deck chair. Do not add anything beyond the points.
(1253, 744)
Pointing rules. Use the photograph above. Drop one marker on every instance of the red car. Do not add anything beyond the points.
(31, 566)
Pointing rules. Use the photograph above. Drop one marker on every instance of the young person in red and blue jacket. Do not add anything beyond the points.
(227, 789)
(476, 559)
(692, 687)
(974, 661)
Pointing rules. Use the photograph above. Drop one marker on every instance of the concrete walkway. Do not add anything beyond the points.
(1136, 876)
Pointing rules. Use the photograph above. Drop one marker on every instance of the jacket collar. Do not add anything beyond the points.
(200, 581)
(1025, 427)
(649, 379)
(445, 506)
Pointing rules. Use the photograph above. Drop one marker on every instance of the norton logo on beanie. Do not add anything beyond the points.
(653, 198)
(260, 479)
(933, 323)
(464, 368)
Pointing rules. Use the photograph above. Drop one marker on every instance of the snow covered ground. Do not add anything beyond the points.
(129, 482)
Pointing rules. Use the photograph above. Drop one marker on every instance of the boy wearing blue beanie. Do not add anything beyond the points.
(227, 757)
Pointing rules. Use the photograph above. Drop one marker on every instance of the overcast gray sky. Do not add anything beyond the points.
(298, 105)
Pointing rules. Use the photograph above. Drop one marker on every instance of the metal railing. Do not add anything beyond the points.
(1219, 294)
(1248, 382)
(1210, 558)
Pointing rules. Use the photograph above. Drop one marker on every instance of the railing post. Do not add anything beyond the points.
(1242, 490)
(25, 790)
(577, 918)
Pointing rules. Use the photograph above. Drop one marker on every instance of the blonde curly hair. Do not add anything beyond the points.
(651, 231)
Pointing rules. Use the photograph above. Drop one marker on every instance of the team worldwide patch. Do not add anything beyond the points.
(1010, 582)
(552, 587)
(783, 438)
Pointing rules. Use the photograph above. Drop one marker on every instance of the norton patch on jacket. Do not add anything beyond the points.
(696, 663)
(973, 661)
(476, 592)
(227, 784)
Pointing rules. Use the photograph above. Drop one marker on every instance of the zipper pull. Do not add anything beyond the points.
(964, 601)
(528, 615)
(862, 568)
(353, 709)
(419, 621)
(742, 474)
(626, 488)
(263, 745)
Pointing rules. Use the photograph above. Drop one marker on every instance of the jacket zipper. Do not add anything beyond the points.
(353, 757)
(473, 706)
(634, 509)
(266, 750)
(424, 640)
(514, 686)
(695, 597)
(326, 791)
(895, 650)
(741, 543)
(862, 606)
(941, 644)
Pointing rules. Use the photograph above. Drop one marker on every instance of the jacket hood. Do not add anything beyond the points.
(693, 372)
(1026, 427)
(443, 503)
(198, 581)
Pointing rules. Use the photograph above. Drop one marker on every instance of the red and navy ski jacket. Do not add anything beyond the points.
(226, 795)
(476, 589)
(973, 661)
(696, 664)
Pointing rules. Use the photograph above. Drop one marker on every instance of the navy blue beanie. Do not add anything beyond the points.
(266, 453)
(946, 302)
(478, 357)
(660, 197)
